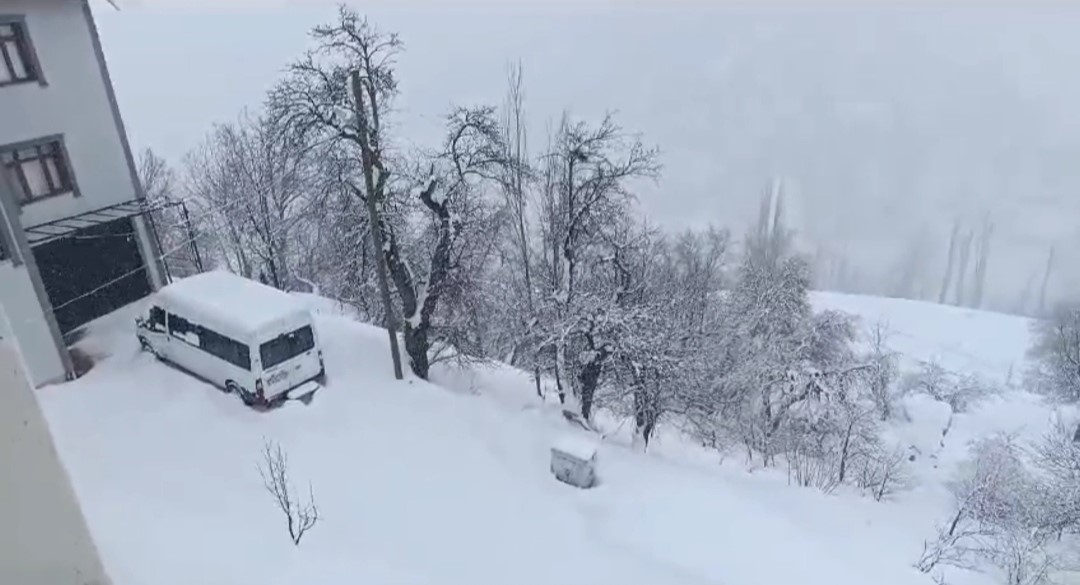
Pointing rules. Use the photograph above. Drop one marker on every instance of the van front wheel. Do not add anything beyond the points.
(144, 345)
(231, 388)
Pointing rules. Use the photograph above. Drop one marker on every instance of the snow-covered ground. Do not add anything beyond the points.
(449, 484)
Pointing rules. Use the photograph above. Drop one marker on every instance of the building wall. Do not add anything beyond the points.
(45, 539)
(28, 325)
(75, 102)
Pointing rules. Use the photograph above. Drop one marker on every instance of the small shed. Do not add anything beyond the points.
(573, 461)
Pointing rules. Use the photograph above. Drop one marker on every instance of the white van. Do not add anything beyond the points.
(244, 337)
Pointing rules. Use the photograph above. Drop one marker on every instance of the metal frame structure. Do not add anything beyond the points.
(43, 233)
(69, 227)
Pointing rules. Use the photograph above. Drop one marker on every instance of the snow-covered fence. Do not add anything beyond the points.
(573, 461)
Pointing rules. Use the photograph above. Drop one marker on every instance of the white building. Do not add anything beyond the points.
(75, 241)
(46, 539)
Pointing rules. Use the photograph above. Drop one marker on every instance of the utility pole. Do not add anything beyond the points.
(375, 185)
(191, 238)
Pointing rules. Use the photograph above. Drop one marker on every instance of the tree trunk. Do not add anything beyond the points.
(1046, 283)
(981, 261)
(281, 264)
(536, 378)
(950, 263)
(416, 345)
(644, 414)
(962, 269)
(589, 379)
(560, 367)
(844, 452)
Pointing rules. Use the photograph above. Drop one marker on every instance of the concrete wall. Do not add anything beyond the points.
(28, 325)
(45, 539)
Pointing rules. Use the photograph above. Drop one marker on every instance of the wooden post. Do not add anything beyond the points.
(374, 191)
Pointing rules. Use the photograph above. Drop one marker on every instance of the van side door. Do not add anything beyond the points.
(183, 345)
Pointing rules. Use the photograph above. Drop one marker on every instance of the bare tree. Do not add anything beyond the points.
(587, 171)
(1005, 516)
(1055, 354)
(156, 177)
(1044, 289)
(514, 187)
(253, 180)
(320, 97)
(1057, 457)
(883, 369)
(963, 258)
(665, 361)
(169, 218)
(960, 391)
(982, 258)
(884, 473)
(300, 515)
(981, 495)
(332, 245)
(316, 99)
(950, 264)
(472, 155)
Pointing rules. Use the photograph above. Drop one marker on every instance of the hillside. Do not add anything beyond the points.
(421, 484)
(990, 345)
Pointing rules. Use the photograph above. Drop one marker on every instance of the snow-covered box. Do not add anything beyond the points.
(573, 461)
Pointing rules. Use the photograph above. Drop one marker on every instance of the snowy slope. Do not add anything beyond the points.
(422, 484)
(961, 339)
(991, 345)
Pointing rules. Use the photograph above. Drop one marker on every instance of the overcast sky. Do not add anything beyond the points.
(885, 123)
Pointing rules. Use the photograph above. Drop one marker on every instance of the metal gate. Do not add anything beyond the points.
(92, 271)
(91, 263)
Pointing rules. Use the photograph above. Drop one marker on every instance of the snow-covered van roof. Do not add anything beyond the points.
(233, 305)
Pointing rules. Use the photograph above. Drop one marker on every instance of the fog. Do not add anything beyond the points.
(885, 125)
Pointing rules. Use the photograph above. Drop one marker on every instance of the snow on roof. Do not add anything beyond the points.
(232, 303)
(576, 446)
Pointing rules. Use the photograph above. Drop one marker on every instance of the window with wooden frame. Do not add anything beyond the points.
(17, 61)
(40, 168)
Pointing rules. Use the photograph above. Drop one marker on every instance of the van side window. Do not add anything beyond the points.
(157, 319)
(211, 342)
(225, 348)
(178, 325)
(184, 330)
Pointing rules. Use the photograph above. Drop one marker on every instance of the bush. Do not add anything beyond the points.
(960, 391)
(300, 515)
(883, 473)
(1055, 355)
(1005, 517)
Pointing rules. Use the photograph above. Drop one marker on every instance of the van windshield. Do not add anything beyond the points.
(286, 346)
